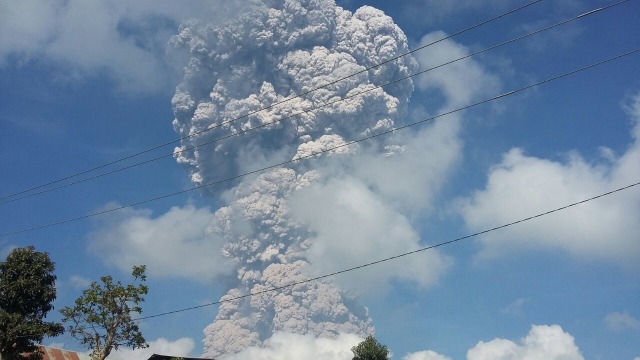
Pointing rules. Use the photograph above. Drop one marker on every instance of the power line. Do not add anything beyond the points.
(4, 197)
(506, 94)
(423, 249)
(358, 267)
(242, 132)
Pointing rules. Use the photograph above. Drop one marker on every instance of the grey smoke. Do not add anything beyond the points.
(273, 53)
(279, 227)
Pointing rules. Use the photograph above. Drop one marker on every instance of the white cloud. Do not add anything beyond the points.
(287, 346)
(435, 10)
(621, 321)
(515, 308)
(368, 215)
(353, 225)
(174, 244)
(440, 12)
(551, 39)
(56, 345)
(425, 355)
(6, 250)
(79, 282)
(461, 82)
(522, 186)
(122, 38)
(411, 178)
(25, 25)
(161, 346)
(542, 343)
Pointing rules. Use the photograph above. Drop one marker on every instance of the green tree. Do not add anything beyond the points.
(27, 289)
(370, 349)
(101, 317)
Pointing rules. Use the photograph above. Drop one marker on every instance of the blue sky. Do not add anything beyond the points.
(80, 89)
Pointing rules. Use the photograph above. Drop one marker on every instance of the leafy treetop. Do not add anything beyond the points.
(27, 291)
(101, 317)
(370, 349)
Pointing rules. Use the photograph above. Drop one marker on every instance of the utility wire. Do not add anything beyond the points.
(242, 132)
(4, 197)
(358, 267)
(347, 144)
(506, 94)
(423, 249)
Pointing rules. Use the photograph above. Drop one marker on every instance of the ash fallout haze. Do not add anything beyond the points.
(276, 120)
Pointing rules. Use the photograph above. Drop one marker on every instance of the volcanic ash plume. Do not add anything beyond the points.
(279, 49)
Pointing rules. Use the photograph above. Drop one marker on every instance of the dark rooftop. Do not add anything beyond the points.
(169, 357)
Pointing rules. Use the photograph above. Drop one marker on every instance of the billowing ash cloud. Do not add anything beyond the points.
(269, 248)
(277, 50)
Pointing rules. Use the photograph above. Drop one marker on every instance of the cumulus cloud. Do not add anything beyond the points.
(126, 40)
(56, 345)
(515, 308)
(462, 82)
(175, 244)
(435, 10)
(288, 346)
(5, 250)
(352, 225)
(548, 342)
(79, 282)
(162, 346)
(621, 321)
(368, 214)
(521, 186)
(425, 355)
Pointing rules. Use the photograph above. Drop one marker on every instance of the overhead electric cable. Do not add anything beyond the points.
(358, 267)
(506, 94)
(3, 197)
(241, 132)
(423, 249)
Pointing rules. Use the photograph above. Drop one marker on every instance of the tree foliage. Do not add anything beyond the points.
(370, 349)
(27, 290)
(101, 317)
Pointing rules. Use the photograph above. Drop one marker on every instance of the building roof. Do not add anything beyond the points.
(49, 353)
